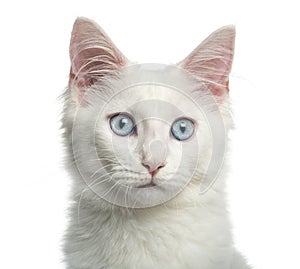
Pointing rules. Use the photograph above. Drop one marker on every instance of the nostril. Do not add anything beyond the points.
(154, 172)
(161, 166)
(146, 166)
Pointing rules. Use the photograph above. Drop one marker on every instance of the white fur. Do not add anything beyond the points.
(189, 231)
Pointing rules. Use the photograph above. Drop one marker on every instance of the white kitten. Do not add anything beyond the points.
(146, 146)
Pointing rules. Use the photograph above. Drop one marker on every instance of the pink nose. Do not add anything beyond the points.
(152, 167)
(154, 156)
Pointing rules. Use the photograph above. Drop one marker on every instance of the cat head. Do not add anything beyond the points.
(141, 134)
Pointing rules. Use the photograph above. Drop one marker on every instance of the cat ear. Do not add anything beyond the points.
(211, 61)
(93, 55)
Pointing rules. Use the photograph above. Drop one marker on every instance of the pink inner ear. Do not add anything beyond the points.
(93, 55)
(211, 61)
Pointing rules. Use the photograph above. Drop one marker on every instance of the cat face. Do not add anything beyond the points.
(149, 138)
(140, 134)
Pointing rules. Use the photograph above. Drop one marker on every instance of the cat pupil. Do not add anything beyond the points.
(182, 127)
(122, 123)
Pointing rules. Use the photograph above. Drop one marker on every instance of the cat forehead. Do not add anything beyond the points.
(153, 101)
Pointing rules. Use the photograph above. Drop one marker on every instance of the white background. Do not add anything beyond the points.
(264, 184)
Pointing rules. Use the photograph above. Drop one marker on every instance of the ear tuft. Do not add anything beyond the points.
(211, 61)
(93, 55)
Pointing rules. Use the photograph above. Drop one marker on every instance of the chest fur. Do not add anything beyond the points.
(163, 239)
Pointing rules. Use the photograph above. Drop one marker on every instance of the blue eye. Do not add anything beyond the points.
(121, 124)
(182, 129)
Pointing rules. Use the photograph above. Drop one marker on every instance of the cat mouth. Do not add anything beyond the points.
(148, 185)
